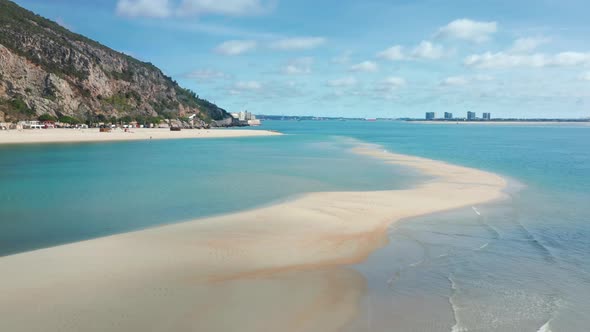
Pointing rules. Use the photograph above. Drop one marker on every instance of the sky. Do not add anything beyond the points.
(353, 58)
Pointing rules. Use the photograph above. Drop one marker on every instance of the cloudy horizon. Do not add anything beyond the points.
(354, 58)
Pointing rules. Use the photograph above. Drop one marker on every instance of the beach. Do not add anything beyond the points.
(57, 135)
(231, 271)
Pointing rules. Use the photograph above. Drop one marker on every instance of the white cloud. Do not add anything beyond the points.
(424, 50)
(393, 53)
(297, 43)
(365, 66)
(526, 45)
(464, 80)
(221, 7)
(205, 75)
(145, 8)
(538, 60)
(248, 85)
(299, 66)
(427, 50)
(167, 8)
(245, 87)
(466, 29)
(391, 83)
(236, 47)
(585, 76)
(342, 82)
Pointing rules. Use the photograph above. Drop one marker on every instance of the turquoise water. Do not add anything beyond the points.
(522, 265)
(60, 193)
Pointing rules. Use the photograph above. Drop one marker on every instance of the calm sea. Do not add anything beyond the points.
(518, 265)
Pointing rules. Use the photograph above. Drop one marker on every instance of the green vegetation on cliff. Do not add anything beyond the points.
(133, 88)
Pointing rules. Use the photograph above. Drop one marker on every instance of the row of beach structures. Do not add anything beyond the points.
(33, 124)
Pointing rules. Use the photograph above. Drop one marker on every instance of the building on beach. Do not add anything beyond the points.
(487, 116)
(471, 116)
(430, 115)
(448, 116)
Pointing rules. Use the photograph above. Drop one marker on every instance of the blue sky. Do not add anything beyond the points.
(373, 58)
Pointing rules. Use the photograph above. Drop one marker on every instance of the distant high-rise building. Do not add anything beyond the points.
(487, 116)
(471, 116)
(448, 116)
(430, 115)
(245, 116)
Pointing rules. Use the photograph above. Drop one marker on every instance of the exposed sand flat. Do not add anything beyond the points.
(93, 135)
(244, 271)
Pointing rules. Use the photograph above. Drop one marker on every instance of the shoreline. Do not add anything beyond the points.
(57, 135)
(508, 123)
(233, 251)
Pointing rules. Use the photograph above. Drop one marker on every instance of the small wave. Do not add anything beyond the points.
(484, 246)
(475, 210)
(545, 327)
(457, 327)
(534, 242)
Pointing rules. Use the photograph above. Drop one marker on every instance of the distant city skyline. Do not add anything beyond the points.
(347, 58)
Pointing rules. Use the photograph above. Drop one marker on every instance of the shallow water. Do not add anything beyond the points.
(60, 193)
(522, 264)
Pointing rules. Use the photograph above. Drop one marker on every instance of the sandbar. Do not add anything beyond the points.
(274, 268)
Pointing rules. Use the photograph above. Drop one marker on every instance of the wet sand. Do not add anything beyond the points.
(266, 269)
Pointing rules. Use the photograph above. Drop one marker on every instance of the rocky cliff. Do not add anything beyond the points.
(47, 69)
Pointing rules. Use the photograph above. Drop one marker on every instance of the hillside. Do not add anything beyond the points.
(47, 69)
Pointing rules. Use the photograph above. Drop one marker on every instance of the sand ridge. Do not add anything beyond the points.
(139, 280)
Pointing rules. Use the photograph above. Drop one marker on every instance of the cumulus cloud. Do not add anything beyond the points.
(427, 50)
(365, 66)
(466, 29)
(167, 8)
(248, 85)
(393, 53)
(391, 83)
(526, 45)
(145, 8)
(222, 7)
(508, 60)
(297, 43)
(585, 76)
(236, 47)
(299, 66)
(463, 80)
(342, 82)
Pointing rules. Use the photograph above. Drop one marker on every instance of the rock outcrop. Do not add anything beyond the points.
(47, 69)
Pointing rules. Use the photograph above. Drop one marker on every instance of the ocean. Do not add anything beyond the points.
(522, 264)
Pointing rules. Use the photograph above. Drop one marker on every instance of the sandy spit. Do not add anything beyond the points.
(275, 268)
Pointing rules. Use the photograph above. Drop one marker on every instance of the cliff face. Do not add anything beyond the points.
(46, 69)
